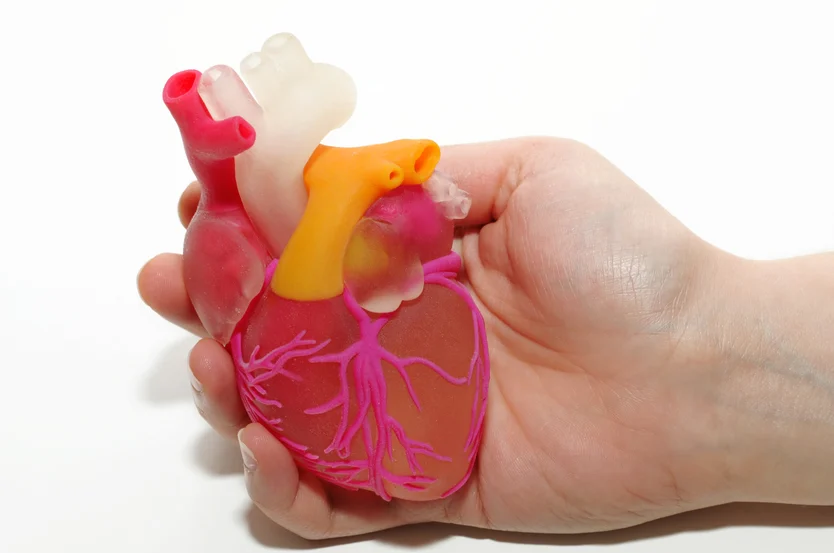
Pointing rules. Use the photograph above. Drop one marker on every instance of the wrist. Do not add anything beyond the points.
(767, 334)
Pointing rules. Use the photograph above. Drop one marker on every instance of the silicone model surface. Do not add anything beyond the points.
(328, 274)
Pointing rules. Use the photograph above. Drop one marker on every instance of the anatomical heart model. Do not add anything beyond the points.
(328, 274)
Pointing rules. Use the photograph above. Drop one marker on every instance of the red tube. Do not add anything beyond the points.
(209, 145)
(223, 257)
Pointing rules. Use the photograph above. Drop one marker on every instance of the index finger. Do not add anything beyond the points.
(189, 200)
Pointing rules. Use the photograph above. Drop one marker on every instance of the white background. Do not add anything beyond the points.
(722, 110)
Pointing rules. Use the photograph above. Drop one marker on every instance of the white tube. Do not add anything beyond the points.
(287, 53)
(301, 102)
(262, 77)
(225, 95)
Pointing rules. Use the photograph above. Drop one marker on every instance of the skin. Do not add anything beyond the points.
(638, 372)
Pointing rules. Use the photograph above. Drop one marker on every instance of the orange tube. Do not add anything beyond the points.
(342, 184)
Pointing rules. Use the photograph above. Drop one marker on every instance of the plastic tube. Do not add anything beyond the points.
(344, 183)
(298, 103)
(223, 258)
(210, 145)
(454, 202)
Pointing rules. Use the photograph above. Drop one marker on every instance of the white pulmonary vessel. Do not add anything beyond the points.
(296, 104)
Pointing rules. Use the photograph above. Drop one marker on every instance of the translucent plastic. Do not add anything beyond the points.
(224, 258)
(330, 278)
(296, 104)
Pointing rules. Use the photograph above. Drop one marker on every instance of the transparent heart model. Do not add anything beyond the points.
(328, 274)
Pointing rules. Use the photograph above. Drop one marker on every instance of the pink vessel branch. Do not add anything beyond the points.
(361, 364)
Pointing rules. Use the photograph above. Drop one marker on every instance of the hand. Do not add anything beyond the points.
(602, 409)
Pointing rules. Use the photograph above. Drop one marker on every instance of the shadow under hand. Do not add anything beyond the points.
(269, 534)
(168, 379)
(725, 516)
(216, 455)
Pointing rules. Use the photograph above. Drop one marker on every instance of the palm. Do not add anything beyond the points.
(582, 315)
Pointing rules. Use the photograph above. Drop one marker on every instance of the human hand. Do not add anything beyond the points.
(602, 408)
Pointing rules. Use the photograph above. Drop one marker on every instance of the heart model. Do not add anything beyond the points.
(329, 275)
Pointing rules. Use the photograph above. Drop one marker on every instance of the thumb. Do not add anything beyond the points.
(299, 502)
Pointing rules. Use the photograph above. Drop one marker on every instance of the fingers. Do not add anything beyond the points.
(189, 200)
(162, 287)
(300, 502)
(215, 389)
(490, 171)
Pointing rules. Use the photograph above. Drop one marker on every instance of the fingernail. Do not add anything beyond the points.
(198, 387)
(249, 462)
